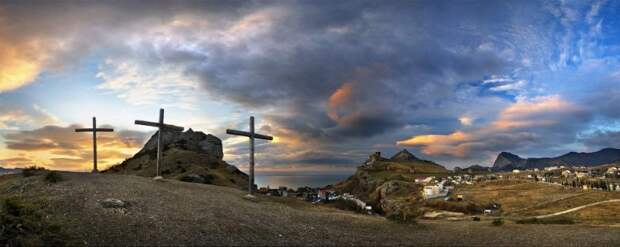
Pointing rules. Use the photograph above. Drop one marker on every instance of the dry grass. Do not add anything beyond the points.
(514, 195)
(599, 214)
(523, 199)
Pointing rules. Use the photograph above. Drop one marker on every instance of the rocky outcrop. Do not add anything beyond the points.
(507, 161)
(113, 203)
(190, 156)
(189, 140)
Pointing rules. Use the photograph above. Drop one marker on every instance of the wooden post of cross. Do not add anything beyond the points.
(161, 126)
(94, 129)
(252, 136)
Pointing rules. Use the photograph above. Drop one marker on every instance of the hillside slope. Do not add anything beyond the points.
(507, 161)
(388, 184)
(171, 212)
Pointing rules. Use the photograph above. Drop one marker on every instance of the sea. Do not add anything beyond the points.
(296, 181)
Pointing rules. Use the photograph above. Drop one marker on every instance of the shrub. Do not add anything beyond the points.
(475, 218)
(552, 220)
(346, 205)
(31, 171)
(498, 222)
(53, 177)
(22, 224)
(463, 207)
(401, 217)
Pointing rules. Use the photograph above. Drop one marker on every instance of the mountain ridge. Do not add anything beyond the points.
(507, 161)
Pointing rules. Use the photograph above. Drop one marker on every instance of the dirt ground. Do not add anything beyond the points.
(177, 213)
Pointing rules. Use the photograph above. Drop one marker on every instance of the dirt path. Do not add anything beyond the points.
(576, 209)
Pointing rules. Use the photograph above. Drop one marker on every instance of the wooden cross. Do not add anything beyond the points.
(161, 127)
(252, 136)
(94, 129)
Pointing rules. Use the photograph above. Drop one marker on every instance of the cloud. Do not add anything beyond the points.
(63, 148)
(16, 162)
(527, 122)
(19, 65)
(345, 76)
(13, 117)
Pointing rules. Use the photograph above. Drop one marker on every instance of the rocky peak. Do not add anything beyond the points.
(506, 161)
(404, 156)
(190, 140)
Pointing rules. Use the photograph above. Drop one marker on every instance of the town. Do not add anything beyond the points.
(603, 178)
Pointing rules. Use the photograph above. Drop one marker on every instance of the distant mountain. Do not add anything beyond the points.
(8, 170)
(190, 156)
(507, 161)
(473, 169)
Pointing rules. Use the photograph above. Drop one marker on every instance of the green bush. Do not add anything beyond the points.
(498, 222)
(31, 171)
(22, 224)
(401, 217)
(53, 177)
(552, 220)
(347, 205)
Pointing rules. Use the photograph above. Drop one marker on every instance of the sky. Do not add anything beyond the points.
(455, 82)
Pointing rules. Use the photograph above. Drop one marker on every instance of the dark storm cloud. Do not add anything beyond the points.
(601, 139)
(393, 60)
(395, 54)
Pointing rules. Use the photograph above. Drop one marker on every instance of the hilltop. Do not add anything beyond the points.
(190, 156)
(388, 184)
(171, 212)
(506, 161)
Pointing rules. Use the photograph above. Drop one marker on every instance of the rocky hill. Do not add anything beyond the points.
(190, 156)
(389, 184)
(507, 161)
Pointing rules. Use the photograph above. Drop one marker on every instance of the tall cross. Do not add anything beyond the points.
(160, 127)
(252, 136)
(94, 129)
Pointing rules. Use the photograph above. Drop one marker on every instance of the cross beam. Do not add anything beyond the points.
(252, 135)
(161, 126)
(94, 129)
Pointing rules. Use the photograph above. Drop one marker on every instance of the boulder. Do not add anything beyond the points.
(113, 203)
(193, 178)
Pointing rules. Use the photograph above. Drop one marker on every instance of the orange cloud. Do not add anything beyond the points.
(455, 137)
(19, 64)
(338, 101)
(536, 112)
(62, 148)
(513, 122)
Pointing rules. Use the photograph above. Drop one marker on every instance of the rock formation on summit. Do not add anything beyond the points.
(191, 156)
